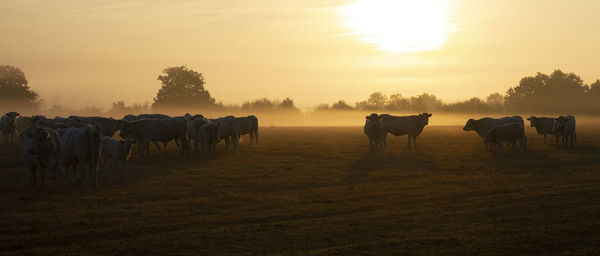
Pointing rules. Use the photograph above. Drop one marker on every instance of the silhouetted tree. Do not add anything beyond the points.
(557, 92)
(181, 88)
(341, 105)
(397, 102)
(14, 91)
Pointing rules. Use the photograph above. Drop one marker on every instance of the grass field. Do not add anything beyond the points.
(318, 191)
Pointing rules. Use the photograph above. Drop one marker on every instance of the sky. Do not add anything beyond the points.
(80, 53)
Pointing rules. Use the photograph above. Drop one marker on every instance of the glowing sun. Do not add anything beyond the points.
(399, 25)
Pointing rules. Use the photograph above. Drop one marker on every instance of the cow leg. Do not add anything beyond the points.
(545, 135)
(415, 141)
(501, 147)
(227, 141)
(80, 169)
(408, 136)
(165, 144)
(146, 148)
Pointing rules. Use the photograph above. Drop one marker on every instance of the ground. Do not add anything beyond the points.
(318, 191)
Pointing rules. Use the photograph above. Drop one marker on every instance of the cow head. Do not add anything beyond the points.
(470, 125)
(12, 116)
(424, 119)
(372, 120)
(40, 139)
(560, 123)
(532, 120)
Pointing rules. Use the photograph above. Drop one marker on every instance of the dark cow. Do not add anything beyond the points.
(510, 133)
(483, 125)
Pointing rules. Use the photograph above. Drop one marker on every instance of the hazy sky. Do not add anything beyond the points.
(96, 52)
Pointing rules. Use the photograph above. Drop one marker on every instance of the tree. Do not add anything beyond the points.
(14, 91)
(543, 93)
(182, 88)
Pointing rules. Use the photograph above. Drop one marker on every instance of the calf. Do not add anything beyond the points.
(375, 131)
(511, 133)
(118, 152)
(565, 127)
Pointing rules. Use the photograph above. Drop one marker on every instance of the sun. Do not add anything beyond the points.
(399, 25)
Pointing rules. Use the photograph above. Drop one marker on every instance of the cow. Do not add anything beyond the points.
(511, 132)
(410, 125)
(228, 131)
(209, 137)
(375, 131)
(58, 122)
(41, 150)
(108, 125)
(118, 152)
(145, 131)
(81, 149)
(544, 126)
(7, 126)
(249, 125)
(194, 127)
(129, 117)
(481, 126)
(22, 122)
(565, 127)
(152, 116)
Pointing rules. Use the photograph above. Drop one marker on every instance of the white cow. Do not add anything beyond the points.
(22, 123)
(410, 125)
(118, 152)
(375, 131)
(7, 126)
(565, 126)
(41, 150)
(545, 126)
(164, 130)
(194, 127)
(249, 125)
(209, 137)
(108, 125)
(81, 149)
(228, 131)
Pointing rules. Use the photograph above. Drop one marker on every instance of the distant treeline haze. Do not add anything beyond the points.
(183, 91)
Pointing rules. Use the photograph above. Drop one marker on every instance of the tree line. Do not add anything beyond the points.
(184, 89)
(558, 92)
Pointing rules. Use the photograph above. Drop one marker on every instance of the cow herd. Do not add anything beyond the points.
(493, 131)
(84, 143)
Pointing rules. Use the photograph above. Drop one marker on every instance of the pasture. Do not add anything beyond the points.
(318, 191)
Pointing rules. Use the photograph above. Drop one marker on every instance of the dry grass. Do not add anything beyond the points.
(317, 191)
